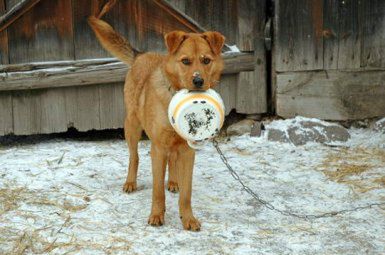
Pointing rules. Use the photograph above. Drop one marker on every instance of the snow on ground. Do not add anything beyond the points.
(65, 197)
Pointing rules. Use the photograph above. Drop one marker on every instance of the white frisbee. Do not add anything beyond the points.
(196, 116)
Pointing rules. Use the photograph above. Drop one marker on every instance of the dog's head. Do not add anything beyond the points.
(194, 60)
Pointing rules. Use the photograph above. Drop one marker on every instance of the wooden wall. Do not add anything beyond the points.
(56, 30)
(329, 58)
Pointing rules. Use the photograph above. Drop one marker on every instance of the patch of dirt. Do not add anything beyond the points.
(352, 166)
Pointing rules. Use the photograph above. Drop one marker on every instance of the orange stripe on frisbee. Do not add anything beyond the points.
(199, 96)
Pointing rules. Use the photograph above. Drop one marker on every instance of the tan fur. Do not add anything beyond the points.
(148, 90)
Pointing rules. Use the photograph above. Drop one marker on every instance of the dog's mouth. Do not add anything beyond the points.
(198, 90)
(189, 85)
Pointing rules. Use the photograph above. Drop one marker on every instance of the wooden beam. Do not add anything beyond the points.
(15, 12)
(87, 72)
(331, 95)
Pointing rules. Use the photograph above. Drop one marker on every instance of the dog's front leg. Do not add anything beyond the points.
(159, 159)
(185, 165)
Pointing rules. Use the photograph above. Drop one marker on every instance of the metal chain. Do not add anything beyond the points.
(268, 205)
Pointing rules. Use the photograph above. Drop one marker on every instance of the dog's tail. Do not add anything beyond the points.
(112, 41)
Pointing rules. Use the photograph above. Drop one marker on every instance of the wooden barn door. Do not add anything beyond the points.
(328, 58)
(242, 22)
(55, 33)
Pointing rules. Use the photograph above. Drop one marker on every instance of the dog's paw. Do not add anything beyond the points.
(129, 187)
(190, 223)
(156, 220)
(172, 187)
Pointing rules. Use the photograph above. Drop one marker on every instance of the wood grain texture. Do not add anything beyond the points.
(251, 96)
(85, 43)
(228, 89)
(27, 112)
(332, 95)
(39, 111)
(43, 33)
(4, 56)
(144, 23)
(6, 114)
(373, 33)
(298, 35)
(88, 72)
(251, 93)
(179, 4)
(342, 37)
(216, 15)
(251, 21)
(52, 111)
(50, 98)
(111, 105)
(15, 12)
(63, 77)
(82, 107)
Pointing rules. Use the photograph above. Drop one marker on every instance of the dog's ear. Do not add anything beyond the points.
(173, 40)
(216, 41)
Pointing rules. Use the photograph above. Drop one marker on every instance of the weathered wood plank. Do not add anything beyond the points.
(78, 73)
(111, 105)
(177, 10)
(373, 34)
(4, 56)
(251, 96)
(53, 111)
(216, 15)
(332, 95)
(179, 4)
(181, 17)
(27, 112)
(63, 77)
(43, 33)
(6, 121)
(85, 43)
(144, 23)
(227, 89)
(342, 39)
(298, 35)
(35, 66)
(15, 12)
(82, 107)
(251, 19)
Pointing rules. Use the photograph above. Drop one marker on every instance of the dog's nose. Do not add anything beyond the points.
(198, 82)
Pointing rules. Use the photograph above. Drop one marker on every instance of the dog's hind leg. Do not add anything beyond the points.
(132, 133)
(172, 184)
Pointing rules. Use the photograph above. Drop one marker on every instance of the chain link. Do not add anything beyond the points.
(270, 206)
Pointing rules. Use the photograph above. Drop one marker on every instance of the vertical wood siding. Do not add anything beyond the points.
(58, 30)
(373, 34)
(329, 58)
(43, 33)
(299, 44)
(4, 58)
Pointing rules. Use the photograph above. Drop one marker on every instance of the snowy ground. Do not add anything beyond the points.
(65, 197)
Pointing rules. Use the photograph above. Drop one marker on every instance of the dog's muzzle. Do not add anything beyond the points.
(198, 82)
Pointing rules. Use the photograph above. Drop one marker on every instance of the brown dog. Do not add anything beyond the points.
(193, 62)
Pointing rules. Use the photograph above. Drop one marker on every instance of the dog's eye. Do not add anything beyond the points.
(206, 61)
(186, 61)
